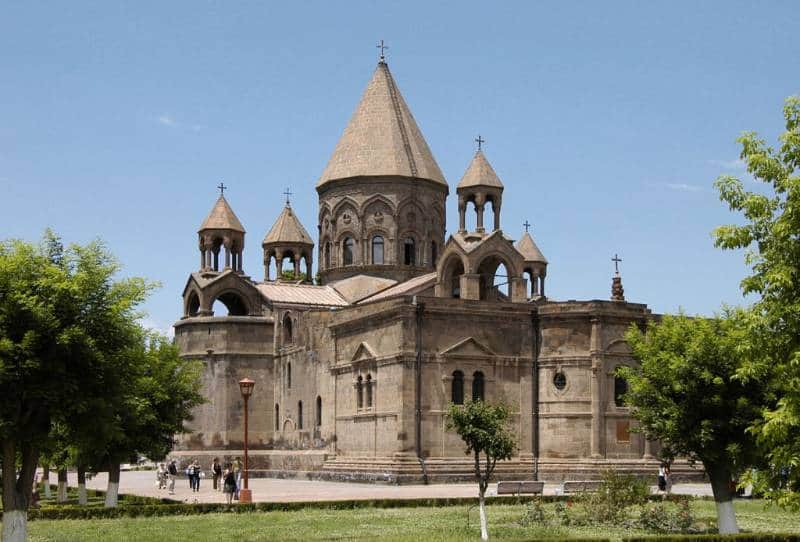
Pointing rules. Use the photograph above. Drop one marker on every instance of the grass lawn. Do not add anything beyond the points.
(399, 524)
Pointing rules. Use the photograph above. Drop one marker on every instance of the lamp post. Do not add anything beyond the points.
(246, 387)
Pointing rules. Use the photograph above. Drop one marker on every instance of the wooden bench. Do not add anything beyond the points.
(527, 487)
(576, 486)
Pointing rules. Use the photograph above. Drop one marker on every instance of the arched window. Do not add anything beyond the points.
(288, 337)
(457, 390)
(377, 250)
(319, 411)
(348, 251)
(369, 391)
(288, 375)
(434, 253)
(409, 252)
(477, 386)
(299, 414)
(277, 417)
(327, 255)
(193, 306)
(620, 389)
(359, 393)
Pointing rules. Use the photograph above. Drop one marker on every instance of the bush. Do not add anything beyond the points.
(658, 518)
(744, 537)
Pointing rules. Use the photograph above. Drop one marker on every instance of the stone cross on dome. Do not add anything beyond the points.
(382, 47)
(222, 188)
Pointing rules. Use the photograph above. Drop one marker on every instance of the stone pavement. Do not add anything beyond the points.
(278, 490)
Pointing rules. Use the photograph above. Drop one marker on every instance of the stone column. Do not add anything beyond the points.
(518, 289)
(648, 449)
(278, 264)
(202, 258)
(227, 257)
(541, 289)
(496, 209)
(296, 266)
(479, 209)
(462, 215)
(534, 283)
(597, 390)
(470, 286)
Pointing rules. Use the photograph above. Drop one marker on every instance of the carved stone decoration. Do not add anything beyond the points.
(346, 218)
(617, 292)
(378, 217)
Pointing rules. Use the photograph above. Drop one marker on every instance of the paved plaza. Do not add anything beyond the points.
(279, 490)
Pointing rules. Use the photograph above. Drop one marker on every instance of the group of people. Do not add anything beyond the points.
(227, 479)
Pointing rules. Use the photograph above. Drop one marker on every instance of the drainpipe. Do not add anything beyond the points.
(535, 347)
(420, 309)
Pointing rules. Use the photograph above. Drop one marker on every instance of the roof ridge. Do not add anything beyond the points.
(398, 115)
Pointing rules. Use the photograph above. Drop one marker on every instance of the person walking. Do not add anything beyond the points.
(195, 466)
(237, 472)
(667, 479)
(172, 473)
(216, 472)
(662, 477)
(229, 483)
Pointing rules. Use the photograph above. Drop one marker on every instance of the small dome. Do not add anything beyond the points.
(222, 217)
(288, 230)
(480, 173)
(530, 252)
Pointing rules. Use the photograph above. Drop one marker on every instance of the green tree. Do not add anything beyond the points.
(770, 233)
(483, 428)
(62, 316)
(685, 393)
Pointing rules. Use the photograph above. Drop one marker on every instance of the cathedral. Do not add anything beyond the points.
(356, 365)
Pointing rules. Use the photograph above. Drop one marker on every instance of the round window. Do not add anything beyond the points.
(560, 380)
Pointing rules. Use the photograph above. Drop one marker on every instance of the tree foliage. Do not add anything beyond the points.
(770, 234)
(686, 393)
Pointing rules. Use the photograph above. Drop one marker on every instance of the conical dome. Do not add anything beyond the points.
(530, 252)
(288, 230)
(222, 217)
(382, 138)
(480, 173)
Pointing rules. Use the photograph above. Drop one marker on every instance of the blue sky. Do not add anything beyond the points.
(607, 122)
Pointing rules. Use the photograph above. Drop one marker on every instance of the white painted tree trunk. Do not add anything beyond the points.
(484, 528)
(62, 492)
(82, 497)
(726, 518)
(15, 526)
(112, 495)
(48, 494)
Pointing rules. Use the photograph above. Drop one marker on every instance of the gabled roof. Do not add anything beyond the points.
(480, 173)
(409, 287)
(222, 217)
(301, 294)
(529, 250)
(382, 138)
(287, 229)
(358, 287)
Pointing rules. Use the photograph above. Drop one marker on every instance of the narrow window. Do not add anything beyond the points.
(620, 389)
(457, 391)
(369, 391)
(348, 249)
(359, 393)
(277, 417)
(299, 414)
(477, 386)
(327, 255)
(434, 253)
(319, 411)
(560, 380)
(409, 257)
(377, 250)
(289, 375)
(288, 336)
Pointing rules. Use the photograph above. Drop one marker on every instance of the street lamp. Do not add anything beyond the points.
(246, 387)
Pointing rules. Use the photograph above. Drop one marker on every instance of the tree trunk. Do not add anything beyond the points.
(82, 497)
(62, 486)
(17, 490)
(723, 497)
(112, 493)
(482, 503)
(46, 480)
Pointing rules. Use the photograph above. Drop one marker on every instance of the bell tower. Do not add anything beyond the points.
(221, 238)
(479, 185)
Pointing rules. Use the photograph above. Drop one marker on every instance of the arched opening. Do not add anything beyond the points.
(348, 251)
(287, 266)
(457, 388)
(326, 256)
(277, 417)
(271, 266)
(477, 386)
(434, 253)
(530, 286)
(377, 250)
(193, 304)
(216, 252)
(494, 279)
(305, 268)
(409, 251)
(299, 414)
(451, 274)
(319, 411)
(490, 214)
(471, 215)
(288, 375)
(288, 335)
(620, 389)
(233, 303)
(359, 393)
(369, 390)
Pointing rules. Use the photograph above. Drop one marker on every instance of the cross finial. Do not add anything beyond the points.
(382, 47)
(287, 193)
(527, 225)
(222, 188)
(480, 141)
(616, 259)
